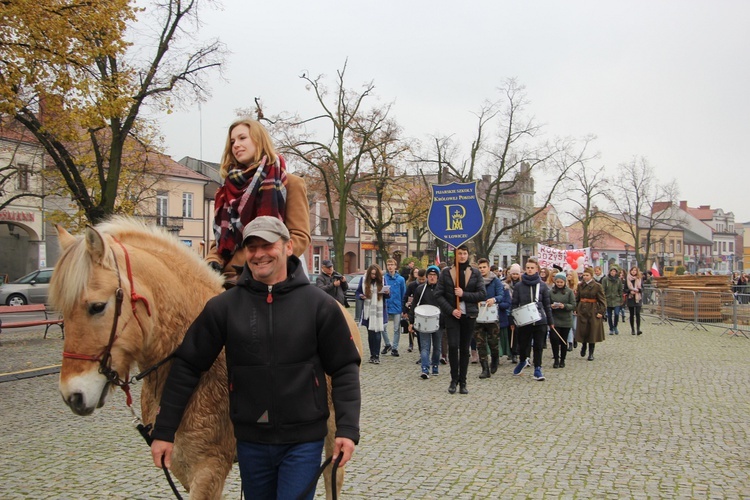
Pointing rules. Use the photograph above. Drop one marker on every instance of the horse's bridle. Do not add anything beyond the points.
(104, 358)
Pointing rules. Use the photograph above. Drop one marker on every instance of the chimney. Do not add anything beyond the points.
(683, 205)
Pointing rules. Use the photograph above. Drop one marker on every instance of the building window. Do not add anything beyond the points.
(679, 246)
(323, 226)
(22, 172)
(671, 246)
(731, 246)
(161, 208)
(723, 246)
(187, 205)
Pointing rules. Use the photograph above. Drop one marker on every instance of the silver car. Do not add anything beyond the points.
(30, 289)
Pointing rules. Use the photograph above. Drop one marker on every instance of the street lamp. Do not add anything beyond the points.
(331, 251)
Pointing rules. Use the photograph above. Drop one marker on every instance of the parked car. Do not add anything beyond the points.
(30, 289)
(353, 282)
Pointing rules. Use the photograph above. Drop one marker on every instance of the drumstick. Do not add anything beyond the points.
(558, 334)
(512, 332)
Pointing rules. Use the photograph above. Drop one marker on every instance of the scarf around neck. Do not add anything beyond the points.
(244, 196)
(372, 310)
(634, 284)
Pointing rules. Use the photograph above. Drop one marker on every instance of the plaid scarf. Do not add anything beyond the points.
(241, 199)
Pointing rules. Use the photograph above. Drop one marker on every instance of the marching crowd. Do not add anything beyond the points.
(464, 313)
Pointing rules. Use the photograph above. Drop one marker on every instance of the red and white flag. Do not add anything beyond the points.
(437, 256)
(655, 270)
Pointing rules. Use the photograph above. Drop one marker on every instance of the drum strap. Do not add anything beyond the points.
(421, 295)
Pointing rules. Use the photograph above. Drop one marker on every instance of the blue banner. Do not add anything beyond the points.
(455, 215)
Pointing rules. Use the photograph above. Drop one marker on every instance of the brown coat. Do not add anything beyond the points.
(297, 220)
(589, 328)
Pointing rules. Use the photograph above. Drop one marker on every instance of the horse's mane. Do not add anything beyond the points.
(73, 270)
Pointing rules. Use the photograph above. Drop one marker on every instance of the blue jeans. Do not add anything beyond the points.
(613, 315)
(373, 339)
(271, 471)
(571, 333)
(426, 340)
(395, 320)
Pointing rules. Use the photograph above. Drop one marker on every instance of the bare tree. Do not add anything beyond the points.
(71, 77)
(504, 159)
(637, 191)
(583, 188)
(344, 138)
(381, 201)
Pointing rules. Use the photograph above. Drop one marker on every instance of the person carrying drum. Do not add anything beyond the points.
(487, 330)
(425, 319)
(532, 316)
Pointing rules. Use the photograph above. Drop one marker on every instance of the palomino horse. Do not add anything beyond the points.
(128, 293)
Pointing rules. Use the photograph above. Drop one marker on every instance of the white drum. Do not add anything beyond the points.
(487, 314)
(426, 318)
(526, 314)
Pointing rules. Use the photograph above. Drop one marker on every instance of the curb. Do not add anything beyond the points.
(35, 372)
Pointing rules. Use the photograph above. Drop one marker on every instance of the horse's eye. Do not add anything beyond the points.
(97, 307)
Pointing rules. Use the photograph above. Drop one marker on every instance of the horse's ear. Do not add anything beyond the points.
(95, 244)
(63, 237)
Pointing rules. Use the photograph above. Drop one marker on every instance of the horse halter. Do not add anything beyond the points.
(104, 358)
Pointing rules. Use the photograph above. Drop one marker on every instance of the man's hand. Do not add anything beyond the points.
(459, 292)
(336, 282)
(161, 449)
(344, 446)
(457, 313)
(491, 301)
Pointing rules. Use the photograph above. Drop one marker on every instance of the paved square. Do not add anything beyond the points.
(663, 415)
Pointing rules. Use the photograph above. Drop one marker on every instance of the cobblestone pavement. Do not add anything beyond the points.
(664, 415)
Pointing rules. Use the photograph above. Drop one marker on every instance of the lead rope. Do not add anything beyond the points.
(314, 482)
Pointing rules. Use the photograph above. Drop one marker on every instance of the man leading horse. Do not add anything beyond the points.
(281, 339)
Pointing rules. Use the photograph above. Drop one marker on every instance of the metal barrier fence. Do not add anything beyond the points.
(697, 309)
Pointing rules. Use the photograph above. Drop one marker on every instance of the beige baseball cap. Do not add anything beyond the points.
(266, 227)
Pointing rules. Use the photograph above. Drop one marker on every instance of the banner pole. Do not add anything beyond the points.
(455, 262)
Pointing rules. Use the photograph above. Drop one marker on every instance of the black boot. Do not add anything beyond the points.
(452, 387)
(556, 364)
(583, 349)
(493, 364)
(514, 359)
(462, 388)
(591, 352)
(485, 369)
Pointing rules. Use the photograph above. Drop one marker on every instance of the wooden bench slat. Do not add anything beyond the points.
(47, 322)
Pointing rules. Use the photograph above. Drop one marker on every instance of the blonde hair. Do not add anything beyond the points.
(637, 274)
(572, 279)
(261, 139)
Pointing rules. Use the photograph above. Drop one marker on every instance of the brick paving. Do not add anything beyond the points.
(664, 415)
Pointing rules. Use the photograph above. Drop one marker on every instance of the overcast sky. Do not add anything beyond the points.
(665, 80)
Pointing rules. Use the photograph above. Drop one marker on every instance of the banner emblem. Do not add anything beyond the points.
(455, 215)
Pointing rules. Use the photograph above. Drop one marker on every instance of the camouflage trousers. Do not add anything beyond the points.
(487, 334)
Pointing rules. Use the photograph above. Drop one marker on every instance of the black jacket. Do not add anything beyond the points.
(524, 293)
(325, 283)
(474, 292)
(429, 298)
(280, 342)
